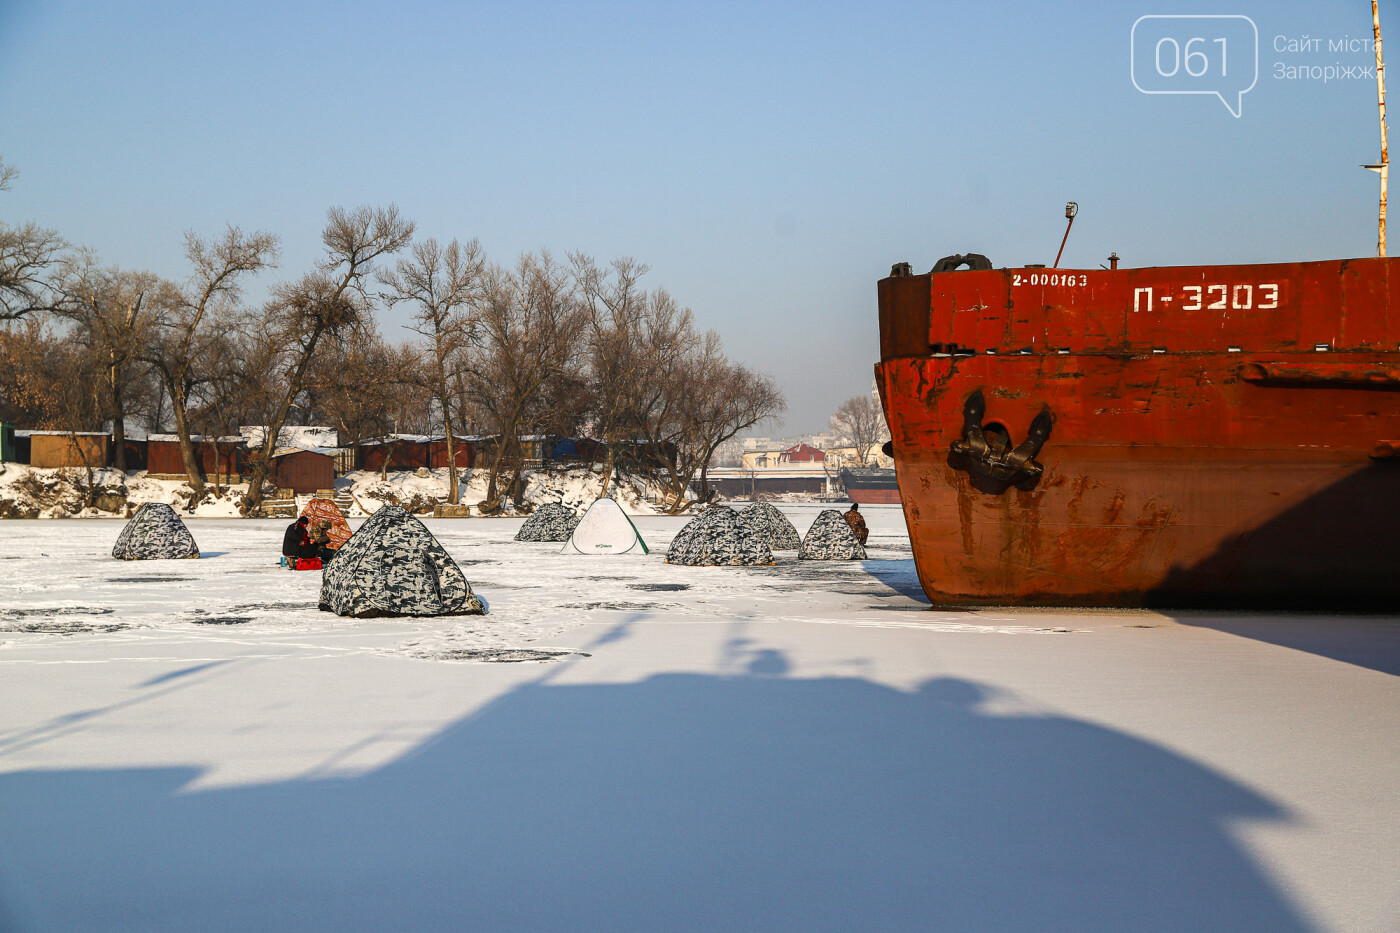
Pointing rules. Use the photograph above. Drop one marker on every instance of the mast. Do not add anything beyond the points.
(1384, 167)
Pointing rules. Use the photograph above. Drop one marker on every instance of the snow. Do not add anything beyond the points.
(415, 489)
(192, 745)
(575, 488)
(308, 436)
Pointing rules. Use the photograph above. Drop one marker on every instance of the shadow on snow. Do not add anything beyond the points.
(682, 802)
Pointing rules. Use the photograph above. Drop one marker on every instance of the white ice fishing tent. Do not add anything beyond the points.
(605, 529)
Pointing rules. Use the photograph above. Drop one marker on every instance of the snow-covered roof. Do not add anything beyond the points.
(196, 438)
(323, 451)
(292, 435)
(28, 433)
(395, 438)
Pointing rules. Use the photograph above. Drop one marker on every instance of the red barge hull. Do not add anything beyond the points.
(873, 496)
(1204, 435)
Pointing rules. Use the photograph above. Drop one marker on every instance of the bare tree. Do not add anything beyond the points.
(356, 384)
(29, 359)
(324, 303)
(109, 311)
(708, 401)
(861, 423)
(528, 324)
(740, 399)
(635, 340)
(194, 320)
(29, 255)
(54, 383)
(442, 284)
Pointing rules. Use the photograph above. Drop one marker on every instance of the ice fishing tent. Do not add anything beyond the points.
(605, 529)
(324, 510)
(718, 537)
(393, 566)
(831, 538)
(553, 521)
(155, 532)
(772, 526)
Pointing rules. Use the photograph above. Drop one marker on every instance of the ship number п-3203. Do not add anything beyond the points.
(1211, 298)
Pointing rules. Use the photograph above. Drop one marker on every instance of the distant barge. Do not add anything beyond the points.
(1193, 435)
(870, 485)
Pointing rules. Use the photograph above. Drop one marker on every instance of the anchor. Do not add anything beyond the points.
(987, 451)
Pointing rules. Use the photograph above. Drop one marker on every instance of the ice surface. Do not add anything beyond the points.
(192, 746)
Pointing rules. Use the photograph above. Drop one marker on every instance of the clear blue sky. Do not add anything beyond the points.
(770, 161)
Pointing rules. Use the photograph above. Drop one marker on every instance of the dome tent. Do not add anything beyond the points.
(553, 521)
(772, 526)
(393, 566)
(605, 529)
(325, 510)
(718, 537)
(831, 538)
(155, 532)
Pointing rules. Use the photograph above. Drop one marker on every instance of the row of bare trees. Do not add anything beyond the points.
(540, 347)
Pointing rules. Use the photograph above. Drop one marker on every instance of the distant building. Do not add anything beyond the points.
(68, 448)
(394, 452)
(838, 457)
(301, 470)
(223, 457)
(801, 453)
(773, 459)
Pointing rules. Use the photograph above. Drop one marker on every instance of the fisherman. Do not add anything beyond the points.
(857, 523)
(319, 534)
(297, 543)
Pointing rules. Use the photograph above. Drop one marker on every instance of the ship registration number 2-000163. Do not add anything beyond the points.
(1049, 278)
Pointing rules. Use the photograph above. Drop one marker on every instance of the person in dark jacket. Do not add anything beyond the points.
(297, 543)
(857, 523)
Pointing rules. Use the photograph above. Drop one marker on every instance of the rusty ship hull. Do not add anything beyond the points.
(1178, 436)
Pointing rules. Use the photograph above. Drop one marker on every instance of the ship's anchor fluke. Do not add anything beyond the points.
(987, 450)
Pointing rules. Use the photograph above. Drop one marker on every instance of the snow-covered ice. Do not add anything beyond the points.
(191, 745)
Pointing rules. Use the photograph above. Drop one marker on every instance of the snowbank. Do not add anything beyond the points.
(32, 492)
(575, 488)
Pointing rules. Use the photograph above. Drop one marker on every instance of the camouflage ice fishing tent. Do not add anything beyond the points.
(718, 537)
(155, 532)
(831, 538)
(605, 529)
(552, 522)
(772, 526)
(393, 566)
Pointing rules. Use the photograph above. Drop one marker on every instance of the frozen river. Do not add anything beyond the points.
(191, 745)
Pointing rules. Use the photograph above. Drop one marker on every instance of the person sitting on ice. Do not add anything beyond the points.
(319, 534)
(857, 523)
(297, 543)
